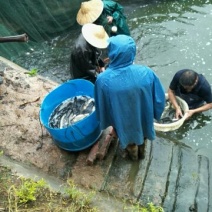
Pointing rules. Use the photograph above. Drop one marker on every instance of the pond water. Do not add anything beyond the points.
(170, 35)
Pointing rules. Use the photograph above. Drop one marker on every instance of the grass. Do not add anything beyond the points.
(19, 194)
(150, 207)
(33, 72)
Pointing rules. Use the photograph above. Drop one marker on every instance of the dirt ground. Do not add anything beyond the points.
(24, 139)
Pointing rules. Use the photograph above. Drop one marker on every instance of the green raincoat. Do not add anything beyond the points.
(114, 9)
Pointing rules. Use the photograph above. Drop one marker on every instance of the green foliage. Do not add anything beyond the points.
(21, 194)
(28, 190)
(33, 72)
(1, 152)
(150, 207)
(82, 199)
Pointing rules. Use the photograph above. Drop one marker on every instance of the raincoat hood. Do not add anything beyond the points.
(121, 51)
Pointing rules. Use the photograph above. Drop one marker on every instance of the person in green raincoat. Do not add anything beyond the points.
(107, 13)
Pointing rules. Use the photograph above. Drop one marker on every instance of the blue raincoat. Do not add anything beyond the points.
(127, 96)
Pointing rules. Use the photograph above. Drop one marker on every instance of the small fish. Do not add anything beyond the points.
(168, 115)
(88, 106)
(63, 122)
(71, 110)
(80, 117)
(167, 105)
(167, 120)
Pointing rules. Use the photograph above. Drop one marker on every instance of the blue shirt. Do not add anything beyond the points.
(197, 96)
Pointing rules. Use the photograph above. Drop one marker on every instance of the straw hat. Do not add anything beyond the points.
(95, 35)
(89, 11)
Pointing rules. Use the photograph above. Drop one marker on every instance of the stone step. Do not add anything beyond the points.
(170, 175)
(202, 198)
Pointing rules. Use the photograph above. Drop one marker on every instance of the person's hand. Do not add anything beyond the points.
(189, 114)
(109, 19)
(178, 113)
(100, 69)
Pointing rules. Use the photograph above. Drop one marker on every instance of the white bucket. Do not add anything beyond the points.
(177, 124)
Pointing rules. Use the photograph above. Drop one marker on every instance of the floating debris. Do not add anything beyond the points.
(71, 111)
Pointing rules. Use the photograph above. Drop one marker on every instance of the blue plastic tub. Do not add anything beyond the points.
(80, 135)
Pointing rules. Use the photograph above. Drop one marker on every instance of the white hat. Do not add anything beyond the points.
(89, 11)
(95, 35)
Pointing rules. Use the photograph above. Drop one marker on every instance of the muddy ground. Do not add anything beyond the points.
(28, 148)
(24, 139)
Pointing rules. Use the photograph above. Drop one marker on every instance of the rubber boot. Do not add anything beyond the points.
(141, 149)
(132, 150)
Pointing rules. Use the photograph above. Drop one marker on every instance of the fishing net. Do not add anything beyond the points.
(40, 20)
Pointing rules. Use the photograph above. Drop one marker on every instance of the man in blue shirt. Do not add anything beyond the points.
(193, 88)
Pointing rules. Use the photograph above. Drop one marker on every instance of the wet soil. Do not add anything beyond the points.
(23, 138)
(28, 148)
(25, 141)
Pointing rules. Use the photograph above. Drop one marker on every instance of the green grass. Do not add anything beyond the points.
(19, 194)
(33, 72)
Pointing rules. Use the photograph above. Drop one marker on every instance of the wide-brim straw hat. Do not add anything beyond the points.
(89, 11)
(95, 35)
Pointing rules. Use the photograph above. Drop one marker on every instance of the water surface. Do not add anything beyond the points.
(174, 35)
(171, 36)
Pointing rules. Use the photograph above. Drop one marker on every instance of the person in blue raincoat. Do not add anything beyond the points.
(128, 97)
(108, 13)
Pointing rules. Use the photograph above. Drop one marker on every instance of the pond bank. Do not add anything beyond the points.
(171, 175)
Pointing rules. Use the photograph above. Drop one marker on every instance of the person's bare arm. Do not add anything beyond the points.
(173, 100)
(200, 109)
